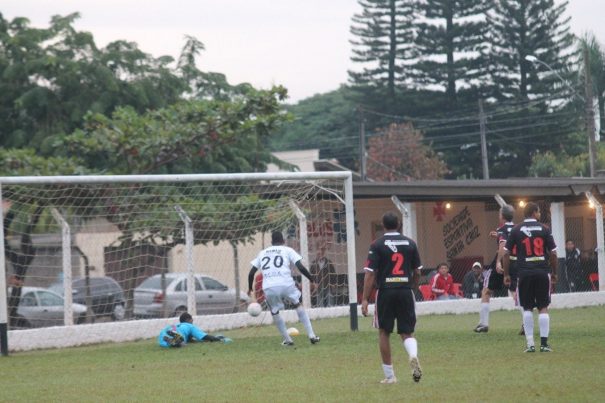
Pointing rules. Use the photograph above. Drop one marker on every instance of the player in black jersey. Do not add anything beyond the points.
(494, 275)
(537, 270)
(393, 267)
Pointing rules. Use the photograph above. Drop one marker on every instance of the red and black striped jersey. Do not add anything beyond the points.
(393, 258)
(533, 242)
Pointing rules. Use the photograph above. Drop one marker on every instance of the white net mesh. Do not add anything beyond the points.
(129, 257)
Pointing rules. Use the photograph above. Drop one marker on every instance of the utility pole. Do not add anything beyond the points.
(482, 120)
(590, 125)
(362, 145)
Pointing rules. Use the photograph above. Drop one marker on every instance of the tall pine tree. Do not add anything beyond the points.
(383, 45)
(521, 28)
(452, 44)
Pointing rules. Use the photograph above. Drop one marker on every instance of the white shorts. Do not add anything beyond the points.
(278, 294)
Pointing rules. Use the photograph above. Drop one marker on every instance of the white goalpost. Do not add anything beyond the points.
(89, 259)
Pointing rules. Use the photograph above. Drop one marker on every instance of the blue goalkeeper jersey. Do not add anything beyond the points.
(187, 330)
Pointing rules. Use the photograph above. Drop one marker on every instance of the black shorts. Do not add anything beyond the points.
(495, 281)
(395, 303)
(534, 289)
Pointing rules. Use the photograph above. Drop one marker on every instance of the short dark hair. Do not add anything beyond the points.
(390, 221)
(530, 209)
(443, 264)
(277, 238)
(185, 317)
(507, 212)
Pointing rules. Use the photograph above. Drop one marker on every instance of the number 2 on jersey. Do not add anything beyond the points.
(398, 259)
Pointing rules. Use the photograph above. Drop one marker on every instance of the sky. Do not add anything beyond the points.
(300, 44)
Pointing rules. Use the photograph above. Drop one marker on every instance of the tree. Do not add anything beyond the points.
(326, 121)
(596, 57)
(384, 45)
(52, 77)
(398, 153)
(452, 44)
(191, 136)
(520, 28)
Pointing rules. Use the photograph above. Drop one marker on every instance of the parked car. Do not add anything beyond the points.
(106, 295)
(211, 296)
(39, 307)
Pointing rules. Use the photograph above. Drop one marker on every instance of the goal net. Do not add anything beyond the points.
(106, 249)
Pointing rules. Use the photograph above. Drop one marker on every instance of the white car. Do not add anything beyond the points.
(40, 307)
(212, 296)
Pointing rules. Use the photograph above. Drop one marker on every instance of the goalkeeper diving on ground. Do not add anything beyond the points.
(185, 332)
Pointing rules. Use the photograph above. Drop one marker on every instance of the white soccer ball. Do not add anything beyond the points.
(254, 309)
(293, 331)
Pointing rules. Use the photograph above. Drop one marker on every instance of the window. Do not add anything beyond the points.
(49, 299)
(182, 285)
(155, 282)
(212, 284)
(29, 299)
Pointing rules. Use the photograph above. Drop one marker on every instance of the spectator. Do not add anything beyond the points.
(323, 271)
(573, 266)
(442, 283)
(472, 284)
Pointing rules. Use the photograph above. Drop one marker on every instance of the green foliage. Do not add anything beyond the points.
(520, 28)
(191, 136)
(451, 43)
(549, 165)
(326, 121)
(25, 162)
(384, 42)
(343, 367)
(52, 77)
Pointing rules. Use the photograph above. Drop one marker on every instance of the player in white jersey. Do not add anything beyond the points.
(279, 286)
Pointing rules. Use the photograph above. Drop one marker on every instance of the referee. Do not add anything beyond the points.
(537, 271)
(393, 266)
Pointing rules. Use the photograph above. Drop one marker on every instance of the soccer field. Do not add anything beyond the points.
(458, 365)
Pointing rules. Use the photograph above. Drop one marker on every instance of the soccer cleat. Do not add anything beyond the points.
(545, 349)
(226, 340)
(522, 331)
(386, 381)
(416, 370)
(530, 349)
(314, 340)
(174, 339)
(481, 329)
(287, 343)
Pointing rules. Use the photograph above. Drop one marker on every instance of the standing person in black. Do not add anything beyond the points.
(494, 275)
(393, 267)
(537, 270)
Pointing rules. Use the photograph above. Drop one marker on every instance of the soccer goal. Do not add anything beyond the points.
(113, 258)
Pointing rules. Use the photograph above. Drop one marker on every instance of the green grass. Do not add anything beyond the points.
(345, 367)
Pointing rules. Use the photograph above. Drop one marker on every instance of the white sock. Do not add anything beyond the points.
(388, 371)
(528, 325)
(544, 323)
(411, 346)
(484, 314)
(304, 319)
(281, 326)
